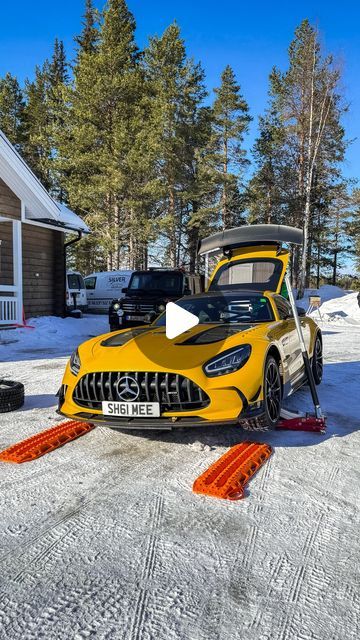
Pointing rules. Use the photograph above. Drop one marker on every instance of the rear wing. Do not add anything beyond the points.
(250, 235)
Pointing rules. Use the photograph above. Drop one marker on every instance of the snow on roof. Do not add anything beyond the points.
(71, 220)
(37, 202)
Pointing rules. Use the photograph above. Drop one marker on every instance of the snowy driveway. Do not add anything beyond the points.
(103, 538)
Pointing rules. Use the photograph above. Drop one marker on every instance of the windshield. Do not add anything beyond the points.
(157, 281)
(225, 309)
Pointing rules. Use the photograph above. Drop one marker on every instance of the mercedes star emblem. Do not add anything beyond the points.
(128, 388)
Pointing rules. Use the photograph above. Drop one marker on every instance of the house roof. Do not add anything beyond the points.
(38, 204)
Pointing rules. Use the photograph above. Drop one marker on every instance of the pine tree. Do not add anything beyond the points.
(176, 86)
(45, 115)
(311, 106)
(308, 106)
(12, 106)
(267, 201)
(57, 115)
(353, 228)
(99, 132)
(231, 123)
(88, 39)
(202, 212)
(38, 148)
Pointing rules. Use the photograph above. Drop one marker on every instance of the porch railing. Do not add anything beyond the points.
(8, 310)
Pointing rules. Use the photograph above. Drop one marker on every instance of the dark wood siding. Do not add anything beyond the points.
(43, 271)
(10, 205)
(6, 254)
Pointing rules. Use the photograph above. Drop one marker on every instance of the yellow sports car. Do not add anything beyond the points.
(236, 366)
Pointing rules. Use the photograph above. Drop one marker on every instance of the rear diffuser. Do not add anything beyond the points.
(45, 441)
(226, 478)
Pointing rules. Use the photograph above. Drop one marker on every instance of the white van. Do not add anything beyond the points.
(103, 287)
(75, 286)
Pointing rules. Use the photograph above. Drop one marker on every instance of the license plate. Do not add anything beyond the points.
(134, 318)
(131, 409)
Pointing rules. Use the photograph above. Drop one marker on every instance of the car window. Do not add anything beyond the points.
(234, 308)
(256, 275)
(75, 281)
(165, 282)
(90, 282)
(283, 307)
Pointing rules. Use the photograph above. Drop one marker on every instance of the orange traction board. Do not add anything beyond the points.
(45, 441)
(227, 477)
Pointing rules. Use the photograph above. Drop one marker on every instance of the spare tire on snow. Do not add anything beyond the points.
(11, 395)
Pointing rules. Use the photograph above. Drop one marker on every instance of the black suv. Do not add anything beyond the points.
(147, 295)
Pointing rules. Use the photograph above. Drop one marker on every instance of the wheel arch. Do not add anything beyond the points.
(317, 334)
(275, 353)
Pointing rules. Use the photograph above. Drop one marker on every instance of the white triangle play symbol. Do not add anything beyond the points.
(178, 320)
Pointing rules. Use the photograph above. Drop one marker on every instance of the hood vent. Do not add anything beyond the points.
(215, 334)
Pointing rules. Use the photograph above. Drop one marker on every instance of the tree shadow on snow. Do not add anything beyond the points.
(39, 401)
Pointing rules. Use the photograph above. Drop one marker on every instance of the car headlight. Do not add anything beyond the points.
(116, 306)
(161, 307)
(228, 361)
(75, 363)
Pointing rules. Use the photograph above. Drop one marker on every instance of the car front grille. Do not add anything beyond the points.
(173, 391)
(132, 307)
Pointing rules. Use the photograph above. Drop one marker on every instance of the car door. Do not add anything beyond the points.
(290, 340)
(90, 285)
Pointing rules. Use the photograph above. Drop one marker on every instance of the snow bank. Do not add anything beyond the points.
(339, 306)
(58, 336)
(341, 311)
(326, 292)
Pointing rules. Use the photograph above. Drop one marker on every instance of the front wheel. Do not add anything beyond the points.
(272, 392)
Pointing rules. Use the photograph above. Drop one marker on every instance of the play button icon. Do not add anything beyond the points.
(178, 320)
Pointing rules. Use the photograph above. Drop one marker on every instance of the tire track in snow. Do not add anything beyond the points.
(54, 544)
(301, 575)
(22, 548)
(275, 573)
(140, 606)
(252, 538)
(311, 578)
(250, 545)
(264, 484)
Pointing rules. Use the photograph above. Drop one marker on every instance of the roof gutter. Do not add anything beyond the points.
(58, 224)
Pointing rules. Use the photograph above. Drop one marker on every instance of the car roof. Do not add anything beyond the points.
(228, 292)
(158, 271)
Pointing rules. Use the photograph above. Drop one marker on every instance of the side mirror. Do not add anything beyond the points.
(124, 290)
(150, 317)
(301, 311)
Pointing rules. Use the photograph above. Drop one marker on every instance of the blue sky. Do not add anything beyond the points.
(250, 36)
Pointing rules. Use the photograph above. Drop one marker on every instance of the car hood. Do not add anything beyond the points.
(148, 348)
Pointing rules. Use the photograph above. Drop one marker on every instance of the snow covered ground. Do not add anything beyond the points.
(104, 539)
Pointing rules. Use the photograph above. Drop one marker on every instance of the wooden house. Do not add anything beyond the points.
(33, 235)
